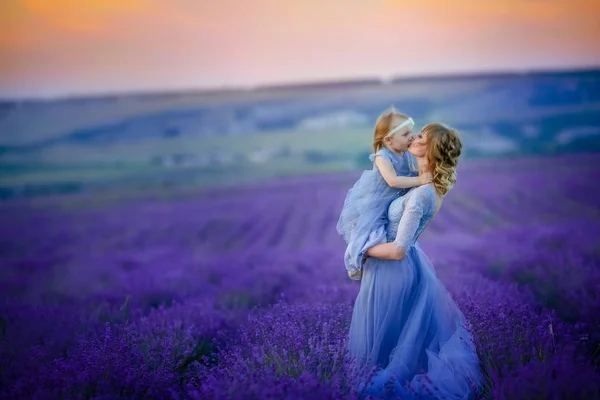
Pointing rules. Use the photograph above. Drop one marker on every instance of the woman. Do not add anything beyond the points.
(404, 320)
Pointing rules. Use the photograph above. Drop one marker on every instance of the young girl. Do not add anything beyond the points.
(364, 215)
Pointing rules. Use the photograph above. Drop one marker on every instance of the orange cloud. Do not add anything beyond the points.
(515, 9)
(82, 15)
(511, 24)
(81, 43)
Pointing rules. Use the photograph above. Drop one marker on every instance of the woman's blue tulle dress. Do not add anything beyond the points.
(406, 322)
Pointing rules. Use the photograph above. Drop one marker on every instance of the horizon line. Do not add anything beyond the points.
(301, 84)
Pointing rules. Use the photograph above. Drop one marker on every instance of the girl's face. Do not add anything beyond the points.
(400, 141)
(418, 146)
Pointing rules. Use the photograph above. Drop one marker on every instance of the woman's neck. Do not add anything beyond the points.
(423, 165)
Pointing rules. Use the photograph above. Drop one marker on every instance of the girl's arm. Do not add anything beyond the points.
(400, 182)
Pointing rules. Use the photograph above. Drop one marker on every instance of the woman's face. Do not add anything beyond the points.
(418, 146)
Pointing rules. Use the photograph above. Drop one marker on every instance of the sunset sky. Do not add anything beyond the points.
(60, 47)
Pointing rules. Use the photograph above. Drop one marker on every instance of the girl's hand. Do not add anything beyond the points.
(426, 178)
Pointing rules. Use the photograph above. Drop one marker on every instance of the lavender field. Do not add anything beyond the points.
(241, 293)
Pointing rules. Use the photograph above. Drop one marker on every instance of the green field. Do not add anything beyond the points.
(101, 162)
(196, 139)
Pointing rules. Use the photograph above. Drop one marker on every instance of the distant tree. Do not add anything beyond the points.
(316, 157)
(362, 160)
(582, 145)
(171, 132)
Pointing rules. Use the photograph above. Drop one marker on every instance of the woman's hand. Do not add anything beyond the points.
(387, 251)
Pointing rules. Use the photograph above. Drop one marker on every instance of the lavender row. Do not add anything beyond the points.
(559, 264)
(170, 286)
(296, 350)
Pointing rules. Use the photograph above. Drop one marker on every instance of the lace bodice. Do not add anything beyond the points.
(408, 215)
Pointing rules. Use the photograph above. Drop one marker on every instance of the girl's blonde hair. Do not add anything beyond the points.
(444, 149)
(384, 124)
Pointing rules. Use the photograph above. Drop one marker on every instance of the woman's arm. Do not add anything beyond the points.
(407, 228)
(387, 251)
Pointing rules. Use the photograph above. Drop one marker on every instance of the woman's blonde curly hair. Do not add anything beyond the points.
(445, 148)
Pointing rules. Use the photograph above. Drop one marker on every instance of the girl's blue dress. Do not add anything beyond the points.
(363, 218)
(406, 322)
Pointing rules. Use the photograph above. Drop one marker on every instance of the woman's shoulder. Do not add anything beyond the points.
(424, 194)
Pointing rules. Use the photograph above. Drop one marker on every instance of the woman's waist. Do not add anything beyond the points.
(392, 237)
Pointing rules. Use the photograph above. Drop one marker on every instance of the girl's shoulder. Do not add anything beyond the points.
(387, 154)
